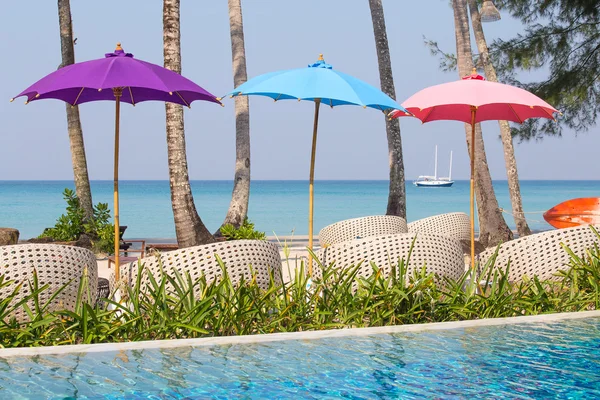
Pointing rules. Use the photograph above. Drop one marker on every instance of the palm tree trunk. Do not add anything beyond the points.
(397, 194)
(492, 226)
(510, 161)
(188, 226)
(80, 172)
(238, 208)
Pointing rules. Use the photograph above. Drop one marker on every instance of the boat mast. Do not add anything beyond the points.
(450, 171)
(435, 170)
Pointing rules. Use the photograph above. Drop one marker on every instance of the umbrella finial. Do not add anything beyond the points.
(321, 57)
(119, 48)
(474, 71)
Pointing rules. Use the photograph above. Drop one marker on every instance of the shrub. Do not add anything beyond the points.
(71, 225)
(173, 305)
(246, 231)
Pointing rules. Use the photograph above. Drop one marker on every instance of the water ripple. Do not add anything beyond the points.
(528, 361)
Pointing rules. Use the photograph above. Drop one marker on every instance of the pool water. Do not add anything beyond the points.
(524, 361)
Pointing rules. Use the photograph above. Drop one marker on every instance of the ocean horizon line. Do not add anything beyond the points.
(289, 180)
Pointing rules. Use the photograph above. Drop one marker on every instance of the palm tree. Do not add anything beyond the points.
(188, 226)
(492, 226)
(397, 194)
(80, 172)
(512, 174)
(238, 208)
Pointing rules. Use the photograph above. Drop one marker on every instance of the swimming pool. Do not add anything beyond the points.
(523, 361)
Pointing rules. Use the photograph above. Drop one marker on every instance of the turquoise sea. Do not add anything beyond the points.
(279, 207)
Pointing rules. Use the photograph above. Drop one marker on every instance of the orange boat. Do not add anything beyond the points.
(574, 212)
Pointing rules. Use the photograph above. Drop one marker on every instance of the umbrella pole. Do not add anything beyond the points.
(473, 112)
(311, 189)
(117, 92)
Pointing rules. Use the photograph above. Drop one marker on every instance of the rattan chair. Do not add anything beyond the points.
(541, 254)
(439, 254)
(56, 265)
(359, 228)
(453, 225)
(241, 259)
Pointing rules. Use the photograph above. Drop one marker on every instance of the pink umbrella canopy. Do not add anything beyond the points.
(494, 101)
(472, 100)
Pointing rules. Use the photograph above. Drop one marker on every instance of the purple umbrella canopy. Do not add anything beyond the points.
(95, 80)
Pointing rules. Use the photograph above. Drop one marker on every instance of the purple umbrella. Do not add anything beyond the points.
(120, 77)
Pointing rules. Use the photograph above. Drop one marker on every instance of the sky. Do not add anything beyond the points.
(279, 35)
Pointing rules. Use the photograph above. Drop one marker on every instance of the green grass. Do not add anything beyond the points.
(172, 305)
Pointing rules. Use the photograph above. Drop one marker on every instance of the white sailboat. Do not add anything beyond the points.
(434, 181)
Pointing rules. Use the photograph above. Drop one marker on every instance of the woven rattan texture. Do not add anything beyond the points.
(453, 225)
(56, 265)
(541, 254)
(441, 255)
(359, 228)
(240, 257)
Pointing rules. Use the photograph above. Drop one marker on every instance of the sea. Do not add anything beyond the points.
(276, 207)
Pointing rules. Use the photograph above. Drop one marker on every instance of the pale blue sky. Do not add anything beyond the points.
(279, 35)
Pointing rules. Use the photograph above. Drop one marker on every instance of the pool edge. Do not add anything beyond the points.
(274, 337)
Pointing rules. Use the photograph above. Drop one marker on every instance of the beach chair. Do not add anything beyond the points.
(358, 228)
(56, 266)
(127, 248)
(453, 225)
(541, 254)
(439, 254)
(242, 259)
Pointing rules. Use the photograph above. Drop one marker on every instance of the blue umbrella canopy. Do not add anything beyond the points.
(318, 81)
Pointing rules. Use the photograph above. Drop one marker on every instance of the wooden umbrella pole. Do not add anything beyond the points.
(118, 92)
(473, 112)
(311, 189)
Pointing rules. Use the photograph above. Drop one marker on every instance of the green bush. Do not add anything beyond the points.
(246, 231)
(71, 225)
(174, 305)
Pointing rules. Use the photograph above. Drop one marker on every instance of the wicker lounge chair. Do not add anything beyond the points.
(441, 255)
(358, 228)
(240, 257)
(453, 225)
(541, 254)
(56, 265)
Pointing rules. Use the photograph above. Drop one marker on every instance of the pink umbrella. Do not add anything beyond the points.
(472, 100)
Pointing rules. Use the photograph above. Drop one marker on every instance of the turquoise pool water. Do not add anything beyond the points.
(525, 361)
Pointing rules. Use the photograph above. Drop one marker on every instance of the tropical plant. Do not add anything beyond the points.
(73, 224)
(397, 192)
(510, 161)
(78, 158)
(245, 231)
(238, 207)
(172, 305)
(493, 229)
(189, 228)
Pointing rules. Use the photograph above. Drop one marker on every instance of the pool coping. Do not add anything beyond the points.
(308, 335)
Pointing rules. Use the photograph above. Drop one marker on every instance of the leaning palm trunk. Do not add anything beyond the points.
(238, 208)
(80, 172)
(397, 194)
(492, 226)
(512, 174)
(188, 226)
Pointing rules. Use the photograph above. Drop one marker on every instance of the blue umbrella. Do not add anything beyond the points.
(322, 84)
